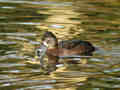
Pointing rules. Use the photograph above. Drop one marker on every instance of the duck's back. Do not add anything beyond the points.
(81, 47)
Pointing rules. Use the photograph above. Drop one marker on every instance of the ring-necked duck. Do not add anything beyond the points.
(54, 49)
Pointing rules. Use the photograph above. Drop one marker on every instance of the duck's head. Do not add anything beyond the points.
(49, 41)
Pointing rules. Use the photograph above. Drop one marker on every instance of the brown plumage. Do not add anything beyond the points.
(56, 49)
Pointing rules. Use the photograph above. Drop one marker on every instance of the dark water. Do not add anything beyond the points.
(22, 23)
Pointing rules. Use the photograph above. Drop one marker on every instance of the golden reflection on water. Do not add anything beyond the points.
(62, 18)
(22, 26)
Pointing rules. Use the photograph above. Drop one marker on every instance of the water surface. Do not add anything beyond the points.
(23, 22)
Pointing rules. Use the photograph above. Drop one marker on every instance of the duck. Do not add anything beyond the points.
(66, 48)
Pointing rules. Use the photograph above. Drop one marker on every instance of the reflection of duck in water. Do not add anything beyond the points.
(54, 50)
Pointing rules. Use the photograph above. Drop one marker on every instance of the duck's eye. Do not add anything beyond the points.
(48, 41)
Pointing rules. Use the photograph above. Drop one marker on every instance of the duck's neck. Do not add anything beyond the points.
(53, 50)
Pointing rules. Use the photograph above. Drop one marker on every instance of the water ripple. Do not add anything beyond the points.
(18, 34)
(39, 3)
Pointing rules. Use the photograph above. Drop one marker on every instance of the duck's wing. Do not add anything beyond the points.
(70, 44)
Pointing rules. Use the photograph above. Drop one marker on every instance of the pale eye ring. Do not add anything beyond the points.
(48, 41)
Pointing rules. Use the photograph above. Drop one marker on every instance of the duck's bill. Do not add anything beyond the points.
(40, 53)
